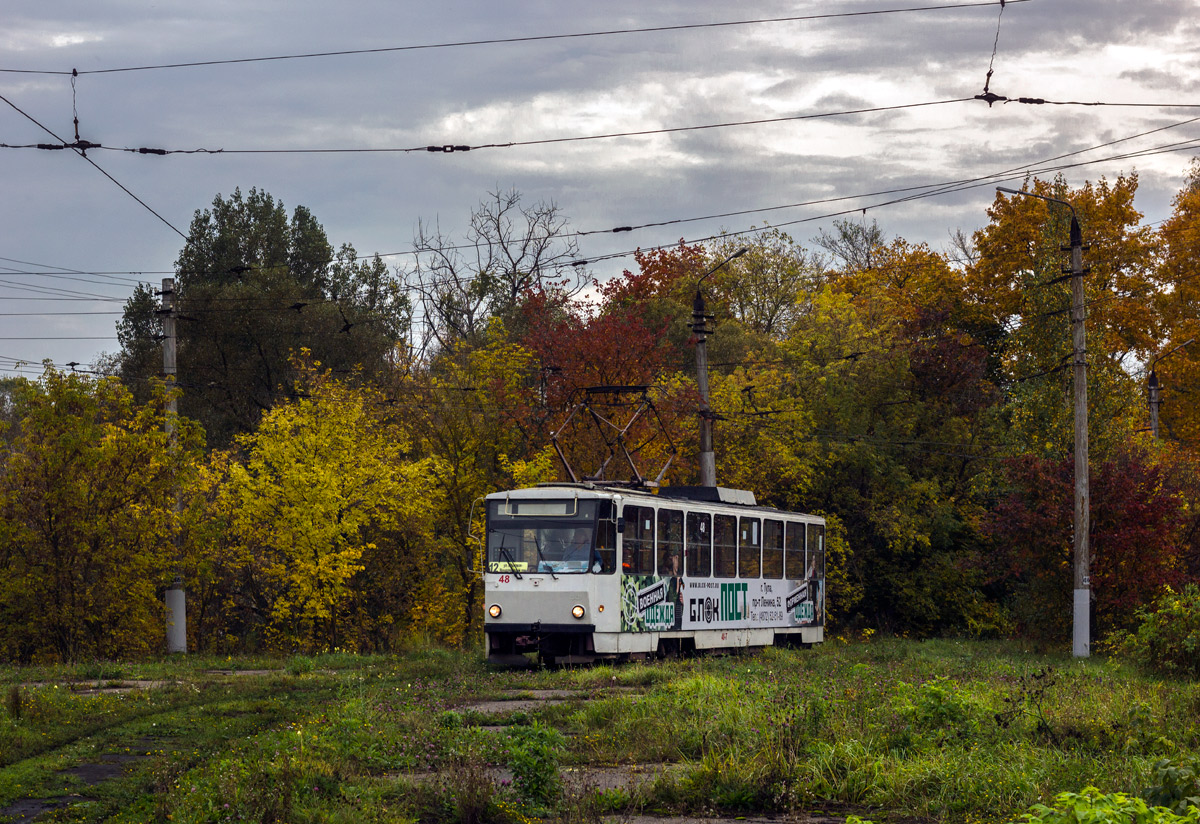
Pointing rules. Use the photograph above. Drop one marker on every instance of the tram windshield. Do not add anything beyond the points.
(546, 536)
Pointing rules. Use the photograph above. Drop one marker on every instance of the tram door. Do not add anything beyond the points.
(670, 560)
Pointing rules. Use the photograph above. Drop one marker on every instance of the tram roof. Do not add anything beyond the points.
(705, 496)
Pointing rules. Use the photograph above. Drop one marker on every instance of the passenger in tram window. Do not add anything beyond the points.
(673, 572)
(816, 589)
(673, 565)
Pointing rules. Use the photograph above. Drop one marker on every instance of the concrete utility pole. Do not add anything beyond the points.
(1081, 632)
(176, 598)
(1155, 400)
(708, 459)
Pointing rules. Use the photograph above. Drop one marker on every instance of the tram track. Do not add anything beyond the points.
(89, 771)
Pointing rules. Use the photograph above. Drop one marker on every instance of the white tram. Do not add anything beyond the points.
(580, 572)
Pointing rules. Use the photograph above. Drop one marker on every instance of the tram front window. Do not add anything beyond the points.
(556, 548)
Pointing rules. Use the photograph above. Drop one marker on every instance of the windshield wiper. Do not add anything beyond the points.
(504, 554)
(538, 545)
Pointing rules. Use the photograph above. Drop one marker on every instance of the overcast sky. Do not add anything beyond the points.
(58, 213)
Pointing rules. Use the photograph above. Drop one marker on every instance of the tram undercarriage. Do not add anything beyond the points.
(557, 645)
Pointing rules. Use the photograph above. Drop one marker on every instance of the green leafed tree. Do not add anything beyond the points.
(87, 490)
(254, 285)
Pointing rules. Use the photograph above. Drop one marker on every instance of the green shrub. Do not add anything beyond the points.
(1168, 637)
(936, 710)
(939, 704)
(533, 757)
(300, 664)
(1178, 786)
(1094, 807)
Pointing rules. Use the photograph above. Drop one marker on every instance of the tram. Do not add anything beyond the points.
(579, 572)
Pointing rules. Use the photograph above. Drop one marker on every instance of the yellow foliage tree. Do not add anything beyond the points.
(765, 427)
(474, 407)
(324, 476)
(87, 490)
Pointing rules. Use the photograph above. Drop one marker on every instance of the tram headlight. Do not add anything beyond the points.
(494, 610)
(578, 611)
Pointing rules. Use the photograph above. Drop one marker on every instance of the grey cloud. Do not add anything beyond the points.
(62, 212)
(1164, 80)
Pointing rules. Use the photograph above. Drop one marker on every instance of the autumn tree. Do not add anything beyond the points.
(896, 377)
(471, 411)
(1142, 531)
(634, 336)
(1019, 279)
(87, 492)
(1178, 300)
(853, 245)
(326, 478)
(765, 289)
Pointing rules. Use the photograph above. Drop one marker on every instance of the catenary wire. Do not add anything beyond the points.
(947, 186)
(83, 154)
(1143, 153)
(525, 39)
(933, 190)
(449, 148)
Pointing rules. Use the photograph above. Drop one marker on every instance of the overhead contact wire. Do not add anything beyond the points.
(527, 39)
(83, 153)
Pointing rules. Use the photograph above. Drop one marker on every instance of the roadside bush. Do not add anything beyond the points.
(1168, 637)
(300, 664)
(1094, 807)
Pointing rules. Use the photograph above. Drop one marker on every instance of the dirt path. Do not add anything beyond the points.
(629, 777)
(123, 753)
(108, 766)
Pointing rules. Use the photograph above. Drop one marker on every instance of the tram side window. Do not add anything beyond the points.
(749, 548)
(606, 537)
(816, 551)
(699, 545)
(793, 555)
(772, 564)
(670, 542)
(637, 556)
(724, 546)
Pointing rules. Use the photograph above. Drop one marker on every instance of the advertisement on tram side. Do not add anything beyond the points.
(652, 603)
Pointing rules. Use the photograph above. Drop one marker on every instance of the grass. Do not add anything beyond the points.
(940, 730)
